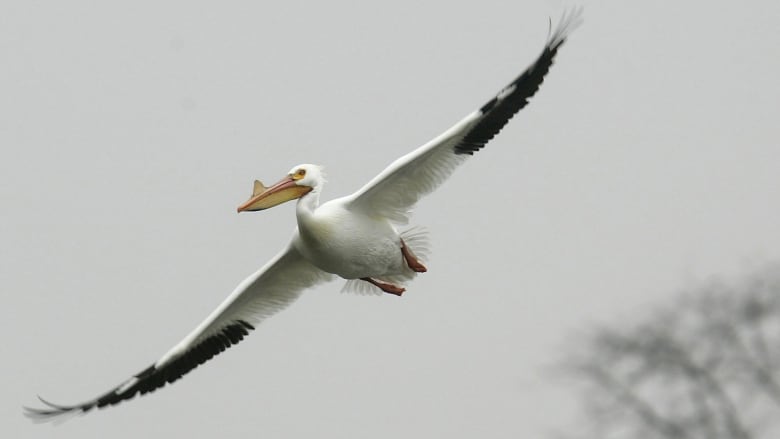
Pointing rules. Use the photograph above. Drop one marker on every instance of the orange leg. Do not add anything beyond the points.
(411, 259)
(384, 286)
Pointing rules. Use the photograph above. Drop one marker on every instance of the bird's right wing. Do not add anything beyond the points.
(262, 294)
(394, 192)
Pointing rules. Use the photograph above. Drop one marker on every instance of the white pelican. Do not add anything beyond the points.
(353, 237)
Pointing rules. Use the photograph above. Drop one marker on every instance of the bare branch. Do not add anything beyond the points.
(705, 367)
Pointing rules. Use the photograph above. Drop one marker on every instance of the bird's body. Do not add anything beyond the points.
(341, 238)
(349, 244)
(353, 237)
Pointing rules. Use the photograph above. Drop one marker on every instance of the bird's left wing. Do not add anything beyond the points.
(262, 294)
(395, 190)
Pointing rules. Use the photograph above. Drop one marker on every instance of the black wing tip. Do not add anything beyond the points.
(570, 20)
(57, 406)
(489, 105)
(462, 149)
(149, 379)
(146, 372)
(53, 412)
(502, 107)
(246, 324)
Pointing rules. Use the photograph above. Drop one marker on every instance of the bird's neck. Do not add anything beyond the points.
(306, 206)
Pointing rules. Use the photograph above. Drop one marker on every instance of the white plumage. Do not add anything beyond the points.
(354, 237)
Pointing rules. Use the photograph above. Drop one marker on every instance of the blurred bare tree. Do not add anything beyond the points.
(706, 367)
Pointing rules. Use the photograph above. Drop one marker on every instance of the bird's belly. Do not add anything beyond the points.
(351, 250)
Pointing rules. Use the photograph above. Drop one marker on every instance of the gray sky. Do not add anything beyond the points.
(129, 134)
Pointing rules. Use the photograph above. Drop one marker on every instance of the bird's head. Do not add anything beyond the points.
(301, 180)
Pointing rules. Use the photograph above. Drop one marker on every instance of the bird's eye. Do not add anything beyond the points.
(299, 174)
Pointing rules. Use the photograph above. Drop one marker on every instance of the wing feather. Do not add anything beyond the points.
(395, 191)
(262, 294)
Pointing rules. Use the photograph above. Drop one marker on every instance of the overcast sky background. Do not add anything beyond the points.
(648, 161)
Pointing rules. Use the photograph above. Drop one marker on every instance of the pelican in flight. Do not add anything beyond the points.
(354, 237)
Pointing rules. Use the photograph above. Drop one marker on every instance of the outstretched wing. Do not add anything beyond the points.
(395, 190)
(262, 294)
